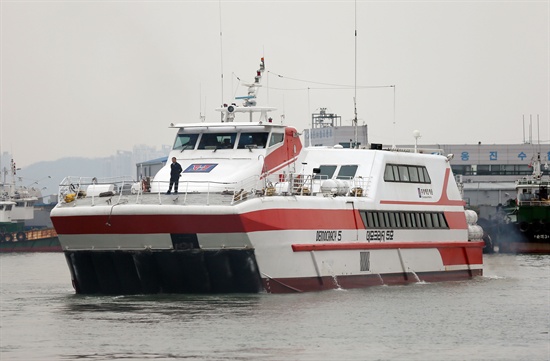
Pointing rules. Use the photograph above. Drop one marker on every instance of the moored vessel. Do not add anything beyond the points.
(255, 211)
(17, 208)
(525, 227)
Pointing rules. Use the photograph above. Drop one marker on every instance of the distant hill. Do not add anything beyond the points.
(35, 175)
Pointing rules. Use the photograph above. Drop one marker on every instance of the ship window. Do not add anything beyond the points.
(375, 223)
(185, 141)
(276, 138)
(428, 220)
(426, 175)
(442, 221)
(370, 222)
(398, 220)
(388, 174)
(252, 140)
(404, 173)
(395, 172)
(408, 222)
(413, 172)
(414, 222)
(392, 220)
(401, 220)
(382, 219)
(217, 141)
(326, 172)
(435, 220)
(347, 172)
(421, 177)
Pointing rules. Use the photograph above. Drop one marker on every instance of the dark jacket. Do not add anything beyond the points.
(175, 170)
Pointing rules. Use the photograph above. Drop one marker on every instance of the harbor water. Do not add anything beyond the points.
(504, 315)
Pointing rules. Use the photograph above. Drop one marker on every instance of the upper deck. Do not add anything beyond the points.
(384, 178)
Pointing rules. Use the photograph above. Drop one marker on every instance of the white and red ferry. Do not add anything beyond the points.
(258, 212)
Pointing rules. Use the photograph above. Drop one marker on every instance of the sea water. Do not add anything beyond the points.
(504, 315)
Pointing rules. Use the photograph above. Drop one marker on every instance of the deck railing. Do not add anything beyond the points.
(121, 190)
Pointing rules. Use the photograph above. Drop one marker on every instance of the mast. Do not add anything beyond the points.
(355, 84)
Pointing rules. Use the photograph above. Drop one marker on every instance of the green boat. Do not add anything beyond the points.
(526, 227)
(17, 207)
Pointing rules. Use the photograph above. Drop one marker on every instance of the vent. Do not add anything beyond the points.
(365, 261)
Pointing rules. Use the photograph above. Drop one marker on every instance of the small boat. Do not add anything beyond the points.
(526, 225)
(255, 211)
(17, 208)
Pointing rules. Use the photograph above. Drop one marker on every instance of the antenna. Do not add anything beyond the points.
(523, 128)
(221, 55)
(355, 84)
(538, 131)
(202, 117)
(530, 128)
(394, 101)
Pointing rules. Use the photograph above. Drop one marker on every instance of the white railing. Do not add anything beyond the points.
(120, 190)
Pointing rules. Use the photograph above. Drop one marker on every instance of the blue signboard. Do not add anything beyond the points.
(200, 168)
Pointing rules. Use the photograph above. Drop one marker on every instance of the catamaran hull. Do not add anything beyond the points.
(237, 271)
(296, 239)
(274, 249)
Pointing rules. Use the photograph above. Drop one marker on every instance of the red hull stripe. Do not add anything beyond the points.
(263, 220)
(383, 245)
(452, 253)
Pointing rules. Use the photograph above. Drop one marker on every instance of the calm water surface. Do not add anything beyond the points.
(504, 315)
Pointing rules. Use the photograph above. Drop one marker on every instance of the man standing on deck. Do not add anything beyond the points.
(175, 172)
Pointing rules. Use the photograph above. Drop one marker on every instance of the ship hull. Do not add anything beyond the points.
(274, 245)
(522, 238)
(222, 271)
(42, 245)
(45, 240)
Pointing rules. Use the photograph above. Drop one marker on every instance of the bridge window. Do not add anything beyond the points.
(185, 141)
(253, 140)
(276, 138)
(217, 141)
(347, 172)
(326, 172)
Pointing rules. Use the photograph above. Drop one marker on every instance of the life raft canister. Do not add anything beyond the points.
(21, 236)
(523, 226)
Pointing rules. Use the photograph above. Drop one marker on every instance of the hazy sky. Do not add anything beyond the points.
(88, 78)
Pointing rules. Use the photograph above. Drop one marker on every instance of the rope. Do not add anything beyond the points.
(281, 283)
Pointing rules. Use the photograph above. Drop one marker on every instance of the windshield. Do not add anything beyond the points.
(186, 141)
(253, 140)
(217, 141)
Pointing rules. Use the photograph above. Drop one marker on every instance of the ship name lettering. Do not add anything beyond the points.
(381, 236)
(328, 236)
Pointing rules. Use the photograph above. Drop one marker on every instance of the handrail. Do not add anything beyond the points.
(296, 184)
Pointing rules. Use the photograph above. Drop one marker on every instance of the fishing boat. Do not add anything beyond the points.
(17, 208)
(525, 228)
(255, 211)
